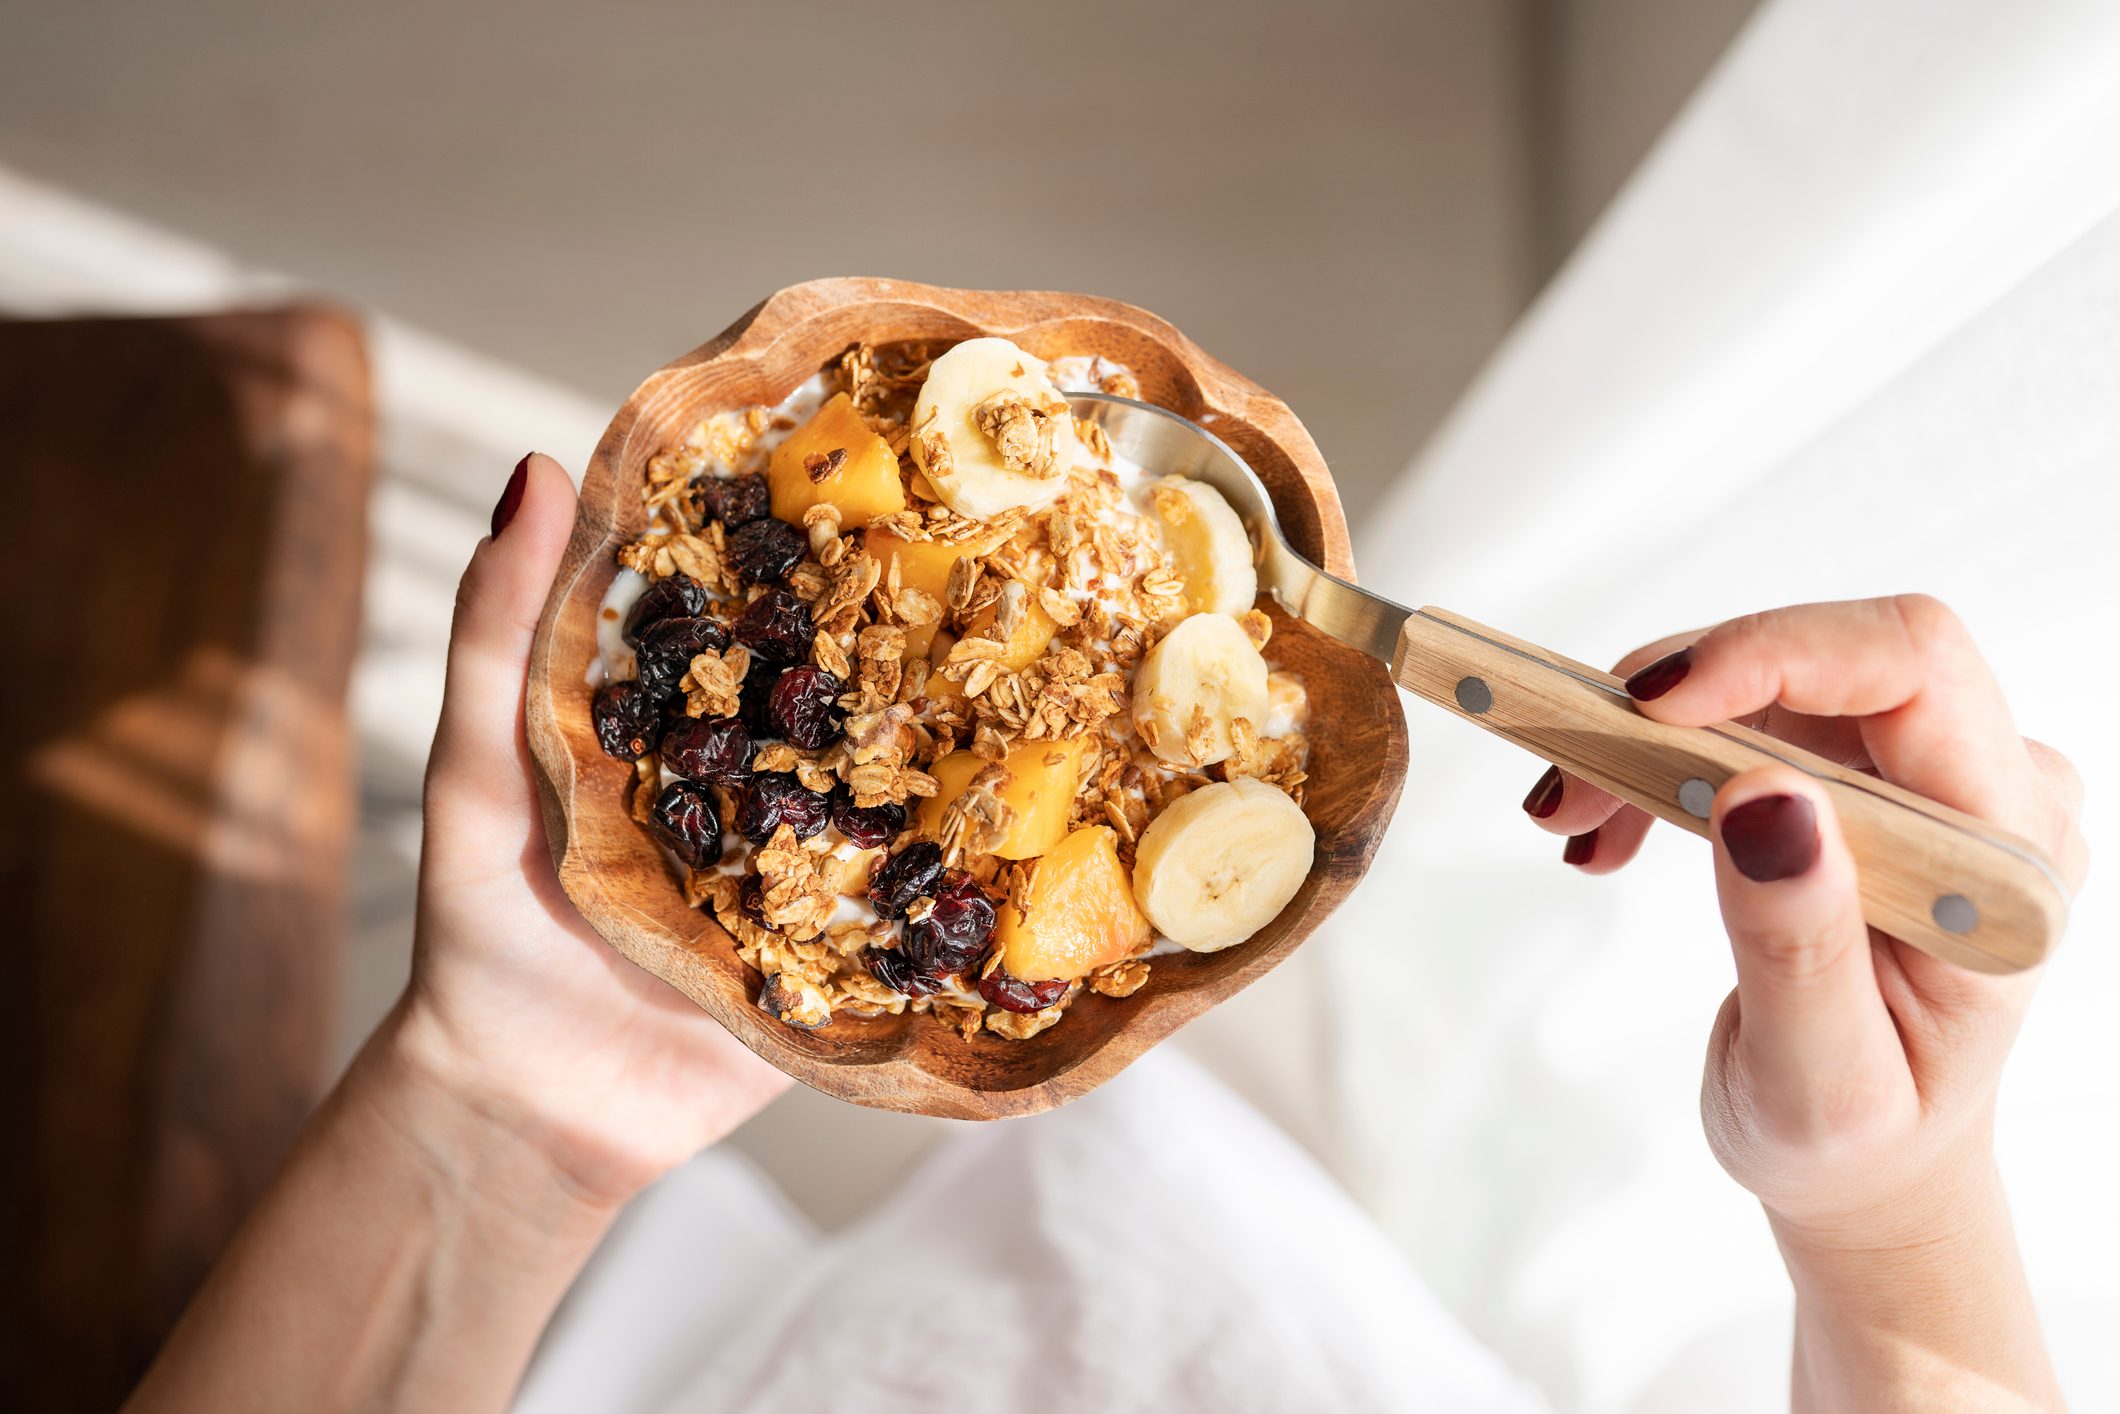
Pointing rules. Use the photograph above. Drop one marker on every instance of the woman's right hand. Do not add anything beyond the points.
(1851, 1079)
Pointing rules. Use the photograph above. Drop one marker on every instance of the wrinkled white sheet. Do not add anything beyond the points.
(1156, 1246)
(1854, 329)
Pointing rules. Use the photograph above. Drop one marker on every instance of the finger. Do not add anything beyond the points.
(2060, 773)
(1811, 1019)
(1934, 719)
(479, 757)
(1648, 653)
(1563, 804)
(1610, 845)
(2064, 834)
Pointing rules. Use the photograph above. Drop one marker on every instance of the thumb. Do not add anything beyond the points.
(480, 757)
(1811, 1024)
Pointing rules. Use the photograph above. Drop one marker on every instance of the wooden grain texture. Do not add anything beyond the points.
(181, 569)
(621, 883)
(1910, 850)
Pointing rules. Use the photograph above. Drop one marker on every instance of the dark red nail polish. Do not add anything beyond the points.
(1579, 848)
(1773, 837)
(1660, 676)
(1545, 797)
(512, 498)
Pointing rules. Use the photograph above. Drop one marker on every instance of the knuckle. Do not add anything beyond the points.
(1928, 623)
(1794, 957)
(2060, 772)
(1755, 643)
(1746, 631)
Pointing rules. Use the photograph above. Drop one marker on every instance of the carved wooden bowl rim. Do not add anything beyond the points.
(618, 878)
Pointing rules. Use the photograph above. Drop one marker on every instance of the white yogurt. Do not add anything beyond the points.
(791, 412)
(1084, 373)
(614, 659)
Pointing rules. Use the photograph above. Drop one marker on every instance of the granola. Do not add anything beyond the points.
(956, 812)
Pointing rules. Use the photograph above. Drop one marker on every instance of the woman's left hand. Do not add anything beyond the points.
(530, 1080)
(515, 1002)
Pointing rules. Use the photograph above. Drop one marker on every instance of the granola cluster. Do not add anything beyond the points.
(913, 675)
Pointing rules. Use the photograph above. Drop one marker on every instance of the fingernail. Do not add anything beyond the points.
(1773, 837)
(1545, 797)
(1660, 676)
(512, 498)
(1579, 848)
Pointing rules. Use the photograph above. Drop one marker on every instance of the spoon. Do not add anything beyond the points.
(1954, 886)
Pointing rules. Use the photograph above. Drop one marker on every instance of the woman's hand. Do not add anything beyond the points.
(515, 1002)
(437, 1205)
(1850, 1078)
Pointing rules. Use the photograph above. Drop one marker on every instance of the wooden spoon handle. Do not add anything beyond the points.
(1953, 886)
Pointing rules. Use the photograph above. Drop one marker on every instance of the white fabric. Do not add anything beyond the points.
(1157, 1246)
(1854, 329)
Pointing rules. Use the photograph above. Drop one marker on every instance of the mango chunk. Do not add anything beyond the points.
(942, 690)
(1079, 912)
(854, 469)
(1027, 644)
(923, 565)
(1044, 776)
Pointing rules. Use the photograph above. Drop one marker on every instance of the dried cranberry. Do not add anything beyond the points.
(751, 900)
(955, 934)
(866, 825)
(775, 798)
(913, 872)
(714, 749)
(684, 819)
(896, 971)
(674, 596)
(668, 648)
(628, 720)
(778, 625)
(805, 707)
(1015, 994)
(765, 550)
(735, 500)
(757, 710)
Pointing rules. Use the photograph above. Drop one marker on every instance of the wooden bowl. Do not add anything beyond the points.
(620, 881)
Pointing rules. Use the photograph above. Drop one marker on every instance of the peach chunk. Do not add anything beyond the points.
(1041, 792)
(835, 457)
(923, 565)
(1079, 912)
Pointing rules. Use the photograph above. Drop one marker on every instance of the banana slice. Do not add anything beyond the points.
(1221, 863)
(1212, 554)
(990, 433)
(1192, 685)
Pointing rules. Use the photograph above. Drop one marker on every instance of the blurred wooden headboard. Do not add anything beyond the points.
(181, 552)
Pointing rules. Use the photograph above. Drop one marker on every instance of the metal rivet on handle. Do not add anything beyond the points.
(1696, 797)
(1954, 913)
(1474, 695)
